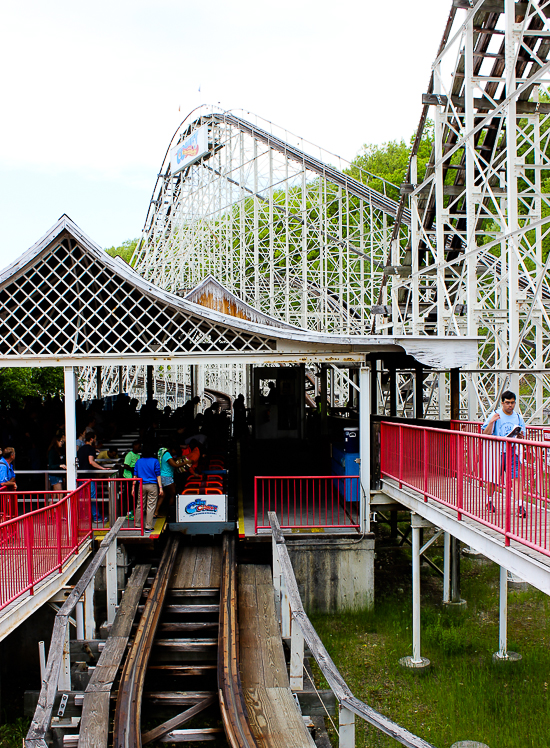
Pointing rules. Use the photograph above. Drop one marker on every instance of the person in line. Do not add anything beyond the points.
(148, 469)
(108, 454)
(56, 460)
(170, 461)
(87, 461)
(129, 462)
(505, 422)
(7, 473)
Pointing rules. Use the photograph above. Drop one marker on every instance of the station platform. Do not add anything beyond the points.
(134, 535)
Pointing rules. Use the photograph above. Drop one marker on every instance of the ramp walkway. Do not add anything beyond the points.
(274, 716)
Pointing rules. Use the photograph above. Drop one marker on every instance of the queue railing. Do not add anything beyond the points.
(307, 501)
(502, 483)
(38, 543)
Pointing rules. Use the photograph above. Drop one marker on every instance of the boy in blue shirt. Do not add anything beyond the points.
(503, 422)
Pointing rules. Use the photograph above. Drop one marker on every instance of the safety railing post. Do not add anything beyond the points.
(285, 611)
(29, 542)
(59, 533)
(508, 493)
(296, 656)
(425, 462)
(459, 475)
(346, 728)
(400, 457)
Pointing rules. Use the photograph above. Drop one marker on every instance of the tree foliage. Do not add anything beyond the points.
(390, 161)
(125, 250)
(17, 384)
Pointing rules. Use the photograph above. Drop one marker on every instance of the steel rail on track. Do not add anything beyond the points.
(127, 725)
(232, 704)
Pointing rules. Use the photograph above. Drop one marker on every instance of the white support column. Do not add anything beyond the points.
(296, 657)
(111, 582)
(80, 620)
(364, 445)
(89, 618)
(346, 728)
(416, 593)
(503, 653)
(71, 390)
(64, 683)
(416, 661)
(446, 567)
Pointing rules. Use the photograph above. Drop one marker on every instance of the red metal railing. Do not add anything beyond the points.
(532, 433)
(117, 497)
(37, 544)
(309, 501)
(501, 483)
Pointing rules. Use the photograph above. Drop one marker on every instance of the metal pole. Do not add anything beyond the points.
(503, 614)
(42, 660)
(455, 570)
(80, 620)
(446, 567)
(364, 446)
(416, 593)
(70, 425)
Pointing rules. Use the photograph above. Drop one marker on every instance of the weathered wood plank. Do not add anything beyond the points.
(94, 725)
(186, 736)
(177, 698)
(158, 732)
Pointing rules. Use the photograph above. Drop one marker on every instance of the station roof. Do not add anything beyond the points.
(67, 302)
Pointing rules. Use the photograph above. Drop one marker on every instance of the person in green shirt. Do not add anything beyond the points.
(129, 461)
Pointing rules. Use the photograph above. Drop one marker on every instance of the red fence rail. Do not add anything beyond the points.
(501, 483)
(308, 501)
(38, 543)
(112, 498)
(532, 433)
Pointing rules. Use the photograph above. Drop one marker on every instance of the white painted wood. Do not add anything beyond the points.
(296, 657)
(89, 617)
(80, 620)
(111, 580)
(64, 682)
(346, 728)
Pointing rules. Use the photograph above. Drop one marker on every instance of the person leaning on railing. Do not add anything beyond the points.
(505, 422)
(7, 473)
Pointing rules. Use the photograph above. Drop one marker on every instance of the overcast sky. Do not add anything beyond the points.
(92, 92)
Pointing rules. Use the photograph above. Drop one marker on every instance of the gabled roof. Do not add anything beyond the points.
(67, 301)
(212, 294)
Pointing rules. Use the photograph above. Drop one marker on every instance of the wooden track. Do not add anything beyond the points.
(193, 576)
(274, 717)
(232, 704)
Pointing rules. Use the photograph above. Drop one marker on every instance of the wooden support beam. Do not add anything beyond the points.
(159, 732)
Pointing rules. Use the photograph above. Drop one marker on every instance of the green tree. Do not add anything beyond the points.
(390, 161)
(126, 250)
(16, 384)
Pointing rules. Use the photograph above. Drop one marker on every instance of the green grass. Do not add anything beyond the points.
(463, 696)
(12, 734)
